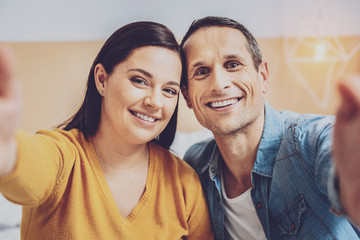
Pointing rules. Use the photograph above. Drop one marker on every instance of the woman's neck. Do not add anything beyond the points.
(116, 154)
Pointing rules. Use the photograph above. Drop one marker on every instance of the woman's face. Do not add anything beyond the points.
(140, 95)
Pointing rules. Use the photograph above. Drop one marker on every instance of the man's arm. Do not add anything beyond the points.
(347, 147)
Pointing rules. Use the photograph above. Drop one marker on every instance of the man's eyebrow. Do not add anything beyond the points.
(232, 56)
(197, 64)
(141, 71)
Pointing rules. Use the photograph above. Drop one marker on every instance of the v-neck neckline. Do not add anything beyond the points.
(139, 207)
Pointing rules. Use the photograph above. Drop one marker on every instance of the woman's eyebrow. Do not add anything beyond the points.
(146, 73)
(174, 83)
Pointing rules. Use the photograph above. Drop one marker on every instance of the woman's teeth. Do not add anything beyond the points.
(144, 117)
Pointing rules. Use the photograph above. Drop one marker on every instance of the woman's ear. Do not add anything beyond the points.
(186, 96)
(100, 76)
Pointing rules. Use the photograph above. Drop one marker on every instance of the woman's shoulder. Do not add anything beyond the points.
(170, 161)
(72, 140)
(73, 135)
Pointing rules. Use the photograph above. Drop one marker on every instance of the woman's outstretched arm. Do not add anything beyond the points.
(347, 147)
(10, 110)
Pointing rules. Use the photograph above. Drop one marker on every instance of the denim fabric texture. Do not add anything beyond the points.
(289, 178)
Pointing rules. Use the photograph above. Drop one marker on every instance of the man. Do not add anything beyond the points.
(266, 172)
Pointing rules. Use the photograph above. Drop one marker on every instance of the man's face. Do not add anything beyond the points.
(224, 89)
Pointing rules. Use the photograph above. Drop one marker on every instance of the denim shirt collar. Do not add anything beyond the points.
(268, 148)
(270, 141)
(212, 164)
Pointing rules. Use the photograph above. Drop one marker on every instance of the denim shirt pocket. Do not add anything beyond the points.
(290, 219)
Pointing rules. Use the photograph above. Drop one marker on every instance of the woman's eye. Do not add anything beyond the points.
(232, 65)
(171, 91)
(201, 71)
(138, 81)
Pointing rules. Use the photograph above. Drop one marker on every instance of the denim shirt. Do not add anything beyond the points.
(289, 179)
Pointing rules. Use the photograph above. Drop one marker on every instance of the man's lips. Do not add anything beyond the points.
(223, 103)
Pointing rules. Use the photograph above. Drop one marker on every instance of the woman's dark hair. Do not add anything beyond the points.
(211, 21)
(115, 50)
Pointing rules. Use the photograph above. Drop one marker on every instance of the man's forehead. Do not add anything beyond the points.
(214, 33)
(221, 41)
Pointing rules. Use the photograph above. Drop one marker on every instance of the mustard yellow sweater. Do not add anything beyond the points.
(59, 181)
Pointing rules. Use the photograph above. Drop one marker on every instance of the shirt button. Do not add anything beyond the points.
(212, 169)
(293, 226)
(259, 205)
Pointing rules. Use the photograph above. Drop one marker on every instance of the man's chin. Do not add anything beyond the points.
(223, 130)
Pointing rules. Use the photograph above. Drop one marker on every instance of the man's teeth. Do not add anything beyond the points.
(223, 103)
(144, 117)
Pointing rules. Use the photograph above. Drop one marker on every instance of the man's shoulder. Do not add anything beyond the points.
(307, 122)
(306, 133)
(199, 154)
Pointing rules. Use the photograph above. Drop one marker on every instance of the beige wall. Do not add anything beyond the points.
(53, 78)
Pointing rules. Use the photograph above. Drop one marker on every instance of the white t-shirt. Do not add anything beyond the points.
(241, 220)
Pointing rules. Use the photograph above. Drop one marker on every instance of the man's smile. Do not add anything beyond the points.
(223, 103)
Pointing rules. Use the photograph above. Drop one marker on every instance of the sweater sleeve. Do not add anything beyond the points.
(199, 218)
(39, 167)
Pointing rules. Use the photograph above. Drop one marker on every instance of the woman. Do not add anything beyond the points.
(108, 174)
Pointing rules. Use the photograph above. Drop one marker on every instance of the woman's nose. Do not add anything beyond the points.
(153, 101)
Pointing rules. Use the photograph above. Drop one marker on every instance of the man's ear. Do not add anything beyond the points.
(100, 76)
(186, 96)
(264, 73)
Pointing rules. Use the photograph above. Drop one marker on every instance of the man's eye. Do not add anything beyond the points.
(201, 71)
(138, 81)
(231, 65)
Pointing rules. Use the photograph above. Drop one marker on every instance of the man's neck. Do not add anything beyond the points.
(239, 153)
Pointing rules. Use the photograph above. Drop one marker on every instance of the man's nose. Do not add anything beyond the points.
(219, 80)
